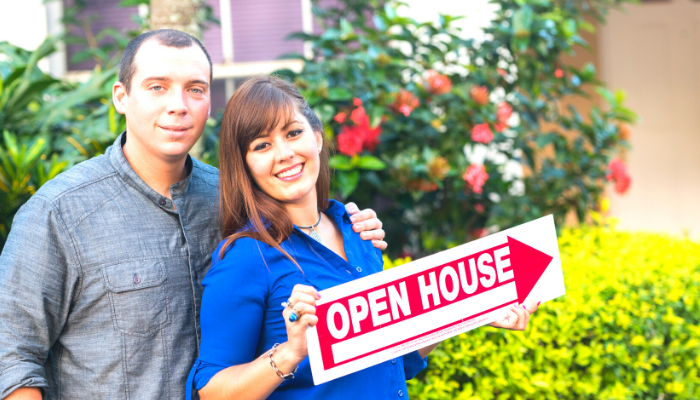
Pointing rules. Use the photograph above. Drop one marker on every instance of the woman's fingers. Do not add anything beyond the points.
(377, 234)
(299, 297)
(310, 290)
(380, 244)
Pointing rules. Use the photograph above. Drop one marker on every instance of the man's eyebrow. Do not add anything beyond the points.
(168, 79)
(157, 79)
(198, 81)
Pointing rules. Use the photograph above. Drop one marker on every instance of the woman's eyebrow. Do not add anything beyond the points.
(292, 122)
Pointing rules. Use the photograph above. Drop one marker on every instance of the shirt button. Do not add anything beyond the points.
(161, 202)
(137, 280)
(359, 269)
(393, 361)
(400, 393)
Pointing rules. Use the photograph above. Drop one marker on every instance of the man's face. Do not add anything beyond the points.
(169, 101)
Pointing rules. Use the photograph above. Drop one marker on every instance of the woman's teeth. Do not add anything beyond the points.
(290, 172)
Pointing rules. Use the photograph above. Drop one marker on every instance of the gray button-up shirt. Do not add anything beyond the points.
(100, 283)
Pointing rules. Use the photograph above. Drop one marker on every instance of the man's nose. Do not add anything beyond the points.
(176, 103)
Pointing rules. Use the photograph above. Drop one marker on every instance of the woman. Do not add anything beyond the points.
(285, 241)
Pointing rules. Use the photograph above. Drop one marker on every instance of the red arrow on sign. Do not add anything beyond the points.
(528, 266)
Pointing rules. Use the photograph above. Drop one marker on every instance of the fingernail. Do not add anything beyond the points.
(538, 303)
(318, 294)
(356, 227)
(353, 219)
(523, 306)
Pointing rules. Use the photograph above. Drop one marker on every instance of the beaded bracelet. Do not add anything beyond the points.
(274, 366)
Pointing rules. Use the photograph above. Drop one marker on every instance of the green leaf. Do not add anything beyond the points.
(522, 22)
(371, 163)
(340, 163)
(339, 94)
(347, 182)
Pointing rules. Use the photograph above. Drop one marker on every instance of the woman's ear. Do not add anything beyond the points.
(319, 141)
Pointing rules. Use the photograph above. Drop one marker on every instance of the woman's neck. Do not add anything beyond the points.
(304, 213)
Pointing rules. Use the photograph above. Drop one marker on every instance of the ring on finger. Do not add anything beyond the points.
(295, 315)
(288, 303)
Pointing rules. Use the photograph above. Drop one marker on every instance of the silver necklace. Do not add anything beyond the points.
(312, 232)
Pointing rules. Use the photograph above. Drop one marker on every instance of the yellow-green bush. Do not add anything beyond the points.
(626, 329)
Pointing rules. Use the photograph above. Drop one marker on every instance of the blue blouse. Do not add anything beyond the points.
(241, 315)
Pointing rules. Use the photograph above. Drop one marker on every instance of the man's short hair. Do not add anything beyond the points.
(165, 37)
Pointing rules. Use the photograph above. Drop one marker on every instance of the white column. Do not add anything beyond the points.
(227, 41)
(307, 25)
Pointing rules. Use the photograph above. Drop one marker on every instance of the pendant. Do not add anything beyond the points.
(315, 235)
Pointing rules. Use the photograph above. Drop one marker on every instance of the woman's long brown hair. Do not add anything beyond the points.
(256, 109)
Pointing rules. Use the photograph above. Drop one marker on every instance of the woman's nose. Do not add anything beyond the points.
(284, 152)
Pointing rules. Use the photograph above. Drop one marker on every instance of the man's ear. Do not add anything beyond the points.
(120, 97)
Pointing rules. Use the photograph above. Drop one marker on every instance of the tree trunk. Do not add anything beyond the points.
(182, 15)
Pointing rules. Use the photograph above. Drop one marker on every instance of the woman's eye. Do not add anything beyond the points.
(157, 88)
(197, 91)
(295, 133)
(260, 146)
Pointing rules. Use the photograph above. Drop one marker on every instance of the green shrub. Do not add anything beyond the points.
(422, 117)
(628, 328)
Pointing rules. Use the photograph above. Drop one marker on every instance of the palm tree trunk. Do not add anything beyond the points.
(182, 15)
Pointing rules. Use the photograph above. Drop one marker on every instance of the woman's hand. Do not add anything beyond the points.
(303, 300)
(517, 317)
(367, 224)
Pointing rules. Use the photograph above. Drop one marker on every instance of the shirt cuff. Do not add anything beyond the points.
(413, 363)
(22, 374)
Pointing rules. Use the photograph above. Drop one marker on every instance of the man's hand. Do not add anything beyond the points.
(367, 224)
(517, 318)
(25, 393)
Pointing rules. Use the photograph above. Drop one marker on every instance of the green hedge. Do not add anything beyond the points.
(626, 329)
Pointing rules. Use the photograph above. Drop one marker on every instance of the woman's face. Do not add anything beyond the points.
(285, 162)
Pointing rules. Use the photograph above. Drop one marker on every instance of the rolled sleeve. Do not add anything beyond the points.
(413, 363)
(36, 285)
(22, 374)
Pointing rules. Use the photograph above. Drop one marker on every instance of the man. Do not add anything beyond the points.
(100, 279)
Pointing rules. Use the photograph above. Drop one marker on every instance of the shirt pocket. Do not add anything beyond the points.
(137, 295)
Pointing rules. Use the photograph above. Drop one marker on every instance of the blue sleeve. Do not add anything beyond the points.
(233, 305)
(413, 363)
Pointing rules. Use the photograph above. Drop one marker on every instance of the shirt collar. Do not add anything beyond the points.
(116, 157)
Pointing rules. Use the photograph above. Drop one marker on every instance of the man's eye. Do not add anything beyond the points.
(157, 88)
(260, 146)
(295, 133)
(197, 91)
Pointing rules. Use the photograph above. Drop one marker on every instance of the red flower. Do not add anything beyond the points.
(405, 102)
(359, 116)
(482, 134)
(480, 95)
(617, 172)
(501, 72)
(350, 140)
(436, 83)
(356, 102)
(558, 73)
(502, 116)
(340, 117)
(476, 177)
(479, 208)
(372, 138)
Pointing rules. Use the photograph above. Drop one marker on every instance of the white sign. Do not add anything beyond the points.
(386, 315)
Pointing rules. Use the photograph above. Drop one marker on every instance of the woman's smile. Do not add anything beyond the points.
(292, 173)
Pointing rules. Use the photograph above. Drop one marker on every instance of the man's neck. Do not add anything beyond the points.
(158, 174)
